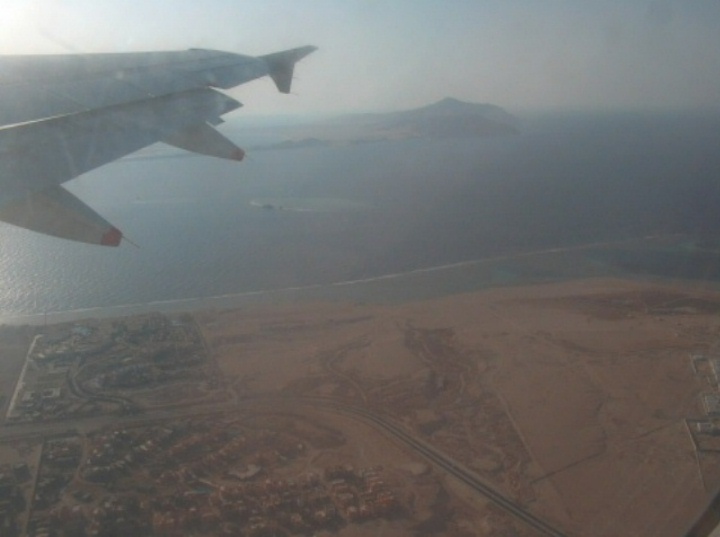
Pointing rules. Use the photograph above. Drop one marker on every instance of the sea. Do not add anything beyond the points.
(634, 193)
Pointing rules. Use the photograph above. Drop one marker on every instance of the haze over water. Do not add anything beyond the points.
(359, 211)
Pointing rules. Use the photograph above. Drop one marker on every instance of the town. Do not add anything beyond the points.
(211, 476)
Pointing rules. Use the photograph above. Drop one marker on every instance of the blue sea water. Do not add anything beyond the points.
(359, 211)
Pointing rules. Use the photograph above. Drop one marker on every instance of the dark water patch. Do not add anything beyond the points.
(703, 266)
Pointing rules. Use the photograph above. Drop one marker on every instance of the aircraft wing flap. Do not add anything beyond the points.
(36, 157)
(203, 139)
(55, 211)
(41, 154)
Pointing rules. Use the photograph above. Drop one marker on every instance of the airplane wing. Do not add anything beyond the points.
(61, 116)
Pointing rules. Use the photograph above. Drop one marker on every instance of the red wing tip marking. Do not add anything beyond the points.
(111, 237)
(238, 154)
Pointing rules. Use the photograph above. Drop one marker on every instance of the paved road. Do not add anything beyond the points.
(438, 459)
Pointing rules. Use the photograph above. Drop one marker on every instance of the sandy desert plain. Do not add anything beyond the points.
(576, 402)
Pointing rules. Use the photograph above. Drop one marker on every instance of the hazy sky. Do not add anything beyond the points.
(389, 54)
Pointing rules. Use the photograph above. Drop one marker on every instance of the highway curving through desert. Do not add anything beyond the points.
(436, 457)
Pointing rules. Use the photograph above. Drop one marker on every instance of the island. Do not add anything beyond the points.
(446, 119)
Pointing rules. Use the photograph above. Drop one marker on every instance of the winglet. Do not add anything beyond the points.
(281, 65)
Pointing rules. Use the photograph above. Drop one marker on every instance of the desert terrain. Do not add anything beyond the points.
(571, 398)
(576, 408)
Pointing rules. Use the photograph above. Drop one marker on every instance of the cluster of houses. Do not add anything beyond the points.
(278, 506)
(12, 500)
(210, 478)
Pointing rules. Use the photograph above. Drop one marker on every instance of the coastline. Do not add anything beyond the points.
(545, 266)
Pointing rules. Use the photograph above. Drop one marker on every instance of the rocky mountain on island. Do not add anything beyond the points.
(452, 118)
(448, 118)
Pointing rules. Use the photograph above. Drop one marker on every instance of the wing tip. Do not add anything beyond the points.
(282, 64)
(112, 237)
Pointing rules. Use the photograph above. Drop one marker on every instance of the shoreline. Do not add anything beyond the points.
(556, 264)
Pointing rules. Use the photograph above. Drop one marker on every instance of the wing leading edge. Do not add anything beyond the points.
(61, 130)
